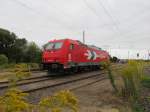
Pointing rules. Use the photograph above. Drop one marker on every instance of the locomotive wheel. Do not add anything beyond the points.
(75, 69)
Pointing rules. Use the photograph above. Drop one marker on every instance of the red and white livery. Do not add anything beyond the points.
(67, 54)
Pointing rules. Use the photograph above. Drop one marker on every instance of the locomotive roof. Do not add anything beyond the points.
(91, 46)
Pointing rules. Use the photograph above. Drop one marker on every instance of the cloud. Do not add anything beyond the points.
(106, 22)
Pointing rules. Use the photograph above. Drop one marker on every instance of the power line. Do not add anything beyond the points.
(107, 12)
(26, 6)
(94, 12)
(62, 13)
(110, 16)
(91, 8)
(37, 12)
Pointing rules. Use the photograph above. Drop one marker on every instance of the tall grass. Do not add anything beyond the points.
(112, 78)
(107, 66)
(132, 74)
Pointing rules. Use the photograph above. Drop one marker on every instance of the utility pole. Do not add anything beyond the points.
(148, 54)
(128, 54)
(83, 37)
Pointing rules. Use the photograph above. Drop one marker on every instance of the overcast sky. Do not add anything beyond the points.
(107, 23)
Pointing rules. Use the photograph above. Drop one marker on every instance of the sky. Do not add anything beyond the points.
(110, 24)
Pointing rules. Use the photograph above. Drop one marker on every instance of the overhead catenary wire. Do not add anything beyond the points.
(40, 14)
(92, 9)
(111, 17)
(61, 12)
(107, 12)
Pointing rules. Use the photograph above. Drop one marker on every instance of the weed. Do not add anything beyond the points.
(146, 82)
(14, 101)
(108, 67)
(18, 73)
(132, 75)
(137, 107)
(60, 101)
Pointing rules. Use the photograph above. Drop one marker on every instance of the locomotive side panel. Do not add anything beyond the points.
(85, 55)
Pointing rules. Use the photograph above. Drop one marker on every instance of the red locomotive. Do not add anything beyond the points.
(71, 55)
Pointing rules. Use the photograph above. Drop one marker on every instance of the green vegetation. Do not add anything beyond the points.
(14, 101)
(19, 72)
(133, 78)
(3, 59)
(32, 53)
(132, 75)
(18, 50)
(146, 82)
(61, 101)
(111, 77)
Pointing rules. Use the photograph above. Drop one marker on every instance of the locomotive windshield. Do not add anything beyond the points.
(53, 45)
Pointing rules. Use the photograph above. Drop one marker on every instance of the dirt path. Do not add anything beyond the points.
(99, 97)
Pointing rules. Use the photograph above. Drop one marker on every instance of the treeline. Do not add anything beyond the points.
(18, 50)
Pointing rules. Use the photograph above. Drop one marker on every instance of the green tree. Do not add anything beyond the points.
(11, 45)
(33, 53)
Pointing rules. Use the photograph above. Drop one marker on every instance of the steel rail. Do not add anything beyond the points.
(71, 81)
(41, 79)
(63, 82)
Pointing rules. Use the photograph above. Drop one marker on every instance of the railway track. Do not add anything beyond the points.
(42, 82)
(25, 81)
(69, 81)
(45, 86)
(42, 74)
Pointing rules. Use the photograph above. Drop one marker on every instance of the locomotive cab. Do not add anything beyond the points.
(52, 58)
(56, 55)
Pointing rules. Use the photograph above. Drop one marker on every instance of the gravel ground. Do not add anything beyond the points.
(99, 97)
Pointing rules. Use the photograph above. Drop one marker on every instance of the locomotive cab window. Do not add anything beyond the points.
(53, 45)
(71, 46)
(58, 45)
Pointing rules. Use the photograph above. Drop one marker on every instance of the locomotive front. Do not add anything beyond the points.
(54, 55)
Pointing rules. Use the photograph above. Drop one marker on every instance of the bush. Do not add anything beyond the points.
(3, 59)
(19, 72)
(59, 102)
(14, 101)
(33, 66)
